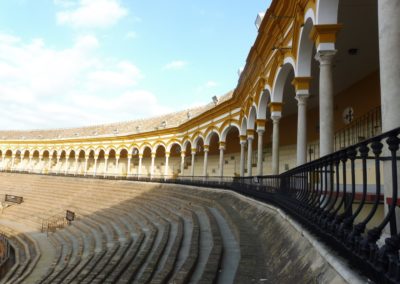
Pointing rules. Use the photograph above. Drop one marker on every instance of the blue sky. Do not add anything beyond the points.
(68, 63)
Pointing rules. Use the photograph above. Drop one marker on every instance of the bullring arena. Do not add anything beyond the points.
(292, 177)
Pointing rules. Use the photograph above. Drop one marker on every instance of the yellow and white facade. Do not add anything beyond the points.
(319, 76)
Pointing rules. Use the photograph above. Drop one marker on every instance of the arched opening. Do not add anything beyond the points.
(90, 162)
(305, 51)
(70, 165)
(123, 162)
(232, 151)
(80, 163)
(17, 160)
(45, 161)
(35, 161)
(198, 144)
(212, 140)
(53, 161)
(135, 161)
(187, 163)
(146, 162)
(25, 161)
(7, 160)
(101, 163)
(159, 162)
(62, 159)
(174, 159)
(251, 126)
(284, 93)
(111, 163)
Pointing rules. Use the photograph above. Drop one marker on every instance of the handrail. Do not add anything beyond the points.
(321, 195)
(326, 196)
(361, 128)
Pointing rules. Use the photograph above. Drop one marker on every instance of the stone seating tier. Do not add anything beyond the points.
(127, 232)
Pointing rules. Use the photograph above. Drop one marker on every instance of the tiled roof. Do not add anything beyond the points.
(114, 129)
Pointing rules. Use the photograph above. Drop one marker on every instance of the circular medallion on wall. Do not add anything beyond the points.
(348, 115)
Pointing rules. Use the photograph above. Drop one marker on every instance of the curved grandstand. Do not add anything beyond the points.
(312, 129)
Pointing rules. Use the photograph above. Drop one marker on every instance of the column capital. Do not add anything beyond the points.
(206, 148)
(260, 124)
(250, 133)
(302, 85)
(275, 118)
(301, 99)
(275, 108)
(325, 35)
(183, 154)
(153, 155)
(106, 156)
(325, 57)
(140, 156)
(243, 139)
(194, 150)
(167, 154)
(222, 145)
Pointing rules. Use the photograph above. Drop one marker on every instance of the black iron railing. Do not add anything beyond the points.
(362, 128)
(339, 197)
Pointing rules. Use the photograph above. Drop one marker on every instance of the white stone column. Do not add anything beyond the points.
(41, 163)
(275, 144)
(21, 168)
(166, 168)
(66, 165)
(260, 135)
(326, 127)
(140, 165)
(183, 154)
(301, 129)
(105, 165)
(276, 113)
(116, 171)
(389, 61)
(76, 165)
(129, 165)
(86, 164)
(57, 169)
(153, 157)
(95, 167)
(205, 161)
(389, 68)
(250, 137)
(49, 164)
(12, 162)
(243, 142)
(302, 86)
(193, 155)
(221, 158)
(30, 165)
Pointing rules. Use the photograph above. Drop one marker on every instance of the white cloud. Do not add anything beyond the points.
(42, 87)
(64, 3)
(175, 65)
(130, 35)
(90, 13)
(211, 84)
